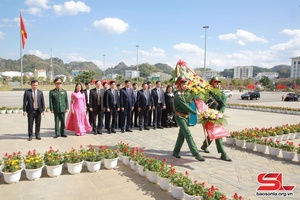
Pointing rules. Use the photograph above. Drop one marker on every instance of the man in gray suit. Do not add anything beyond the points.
(33, 107)
(158, 103)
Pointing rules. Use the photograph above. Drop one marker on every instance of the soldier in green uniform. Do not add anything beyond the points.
(217, 101)
(58, 101)
(182, 111)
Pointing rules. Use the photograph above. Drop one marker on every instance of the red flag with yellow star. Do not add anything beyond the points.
(23, 31)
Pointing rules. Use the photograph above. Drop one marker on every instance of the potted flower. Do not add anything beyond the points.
(274, 147)
(93, 158)
(54, 161)
(121, 146)
(177, 181)
(74, 160)
(298, 152)
(134, 153)
(8, 110)
(110, 157)
(152, 166)
(261, 144)
(34, 163)
(2, 110)
(11, 168)
(213, 193)
(250, 143)
(15, 110)
(231, 138)
(141, 161)
(164, 174)
(288, 150)
(126, 155)
(194, 191)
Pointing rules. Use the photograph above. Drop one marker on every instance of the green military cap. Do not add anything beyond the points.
(214, 79)
(57, 81)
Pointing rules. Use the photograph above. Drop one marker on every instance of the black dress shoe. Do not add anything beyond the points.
(55, 136)
(140, 129)
(113, 131)
(38, 138)
(29, 139)
(146, 128)
(99, 132)
(177, 156)
(128, 130)
(122, 131)
(154, 127)
(64, 135)
(160, 127)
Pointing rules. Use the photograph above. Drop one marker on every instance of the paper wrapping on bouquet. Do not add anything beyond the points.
(200, 105)
(215, 131)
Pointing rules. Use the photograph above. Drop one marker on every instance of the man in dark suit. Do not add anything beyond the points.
(126, 105)
(58, 101)
(33, 106)
(158, 103)
(150, 113)
(112, 106)
(87, 91)
(96, 107)
(135, 112)
(119, 87)
(105, 87)
(144, 106)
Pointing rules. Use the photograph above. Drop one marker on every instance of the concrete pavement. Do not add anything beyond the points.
(122, 183)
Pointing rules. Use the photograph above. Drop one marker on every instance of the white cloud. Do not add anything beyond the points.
(38, 3)
(35, 11)
(39, 54)
(242, 37)
(111, 25)
(5, 20)
(188, 48)
(71, 8)
(1, 35)
(293, 44)
(155, 52)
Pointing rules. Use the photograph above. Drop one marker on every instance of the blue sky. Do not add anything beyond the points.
(263, 33)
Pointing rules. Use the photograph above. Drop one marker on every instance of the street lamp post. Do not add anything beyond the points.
(104, 65)
(205, 28)
(137, 63)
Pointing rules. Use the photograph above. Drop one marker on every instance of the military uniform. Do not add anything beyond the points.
(182, 111)
(58, 101)
(217, 102)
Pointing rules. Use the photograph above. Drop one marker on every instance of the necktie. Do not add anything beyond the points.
(35, 103)
(128, 92)
(113, 92)
(158, 94)
(98, 97)
(146, 96)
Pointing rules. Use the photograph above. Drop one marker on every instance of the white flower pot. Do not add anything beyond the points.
(74, 168)
(297, 135)
(288, 155)
(285, 137)
(230, 141)
(12, 177)
(164, 183)
(279, 138)
(292, 136)
(274, 138)
(121, 157)
(141, 170)
(126, 160)
(240, 143)
(190, 197)
(298, 155)
(261, 148)
(15, 111)
(177, 192)
(93, 166)
(133, 165)
(8, 111)
(2, 111)
(111, 163)
(33, 174)
(152, 176)
(54, 171)
(250, 145)
(273, 151)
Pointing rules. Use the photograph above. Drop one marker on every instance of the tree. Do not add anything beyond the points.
(84, 77)
(264, 81)
(16, 79)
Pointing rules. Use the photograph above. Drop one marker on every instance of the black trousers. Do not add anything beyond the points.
(143, 117)
(135, 115)
(97, 116)
(126, 118)
(157, 115)
(34, 116)
(111, 119)
(90, 114)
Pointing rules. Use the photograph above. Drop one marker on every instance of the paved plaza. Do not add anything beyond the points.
(122, 183)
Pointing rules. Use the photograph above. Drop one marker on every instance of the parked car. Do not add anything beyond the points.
(251, 95)
(227, 93)
(291, 97)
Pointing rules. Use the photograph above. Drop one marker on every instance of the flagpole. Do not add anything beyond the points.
(21, 57)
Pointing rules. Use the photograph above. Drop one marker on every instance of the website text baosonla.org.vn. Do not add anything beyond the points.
(274, 194)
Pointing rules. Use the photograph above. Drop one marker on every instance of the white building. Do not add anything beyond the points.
(295, 67)
(130, 74)
(159, 76)
(270, 75)
(10, 74)
(243, 72)
(40, 73)
(111, 76)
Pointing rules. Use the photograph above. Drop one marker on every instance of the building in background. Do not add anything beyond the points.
(130, 74)
(243, 72)
(111, 76)
(40, 73)
(10, 74)
(155, 76)
(270, 75)
(295, 67)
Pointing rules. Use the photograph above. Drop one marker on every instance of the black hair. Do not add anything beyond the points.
(81, 90)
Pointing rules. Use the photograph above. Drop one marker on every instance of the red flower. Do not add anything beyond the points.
(235, 196)
(164, 160)
(186, 173)
(181, 63)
